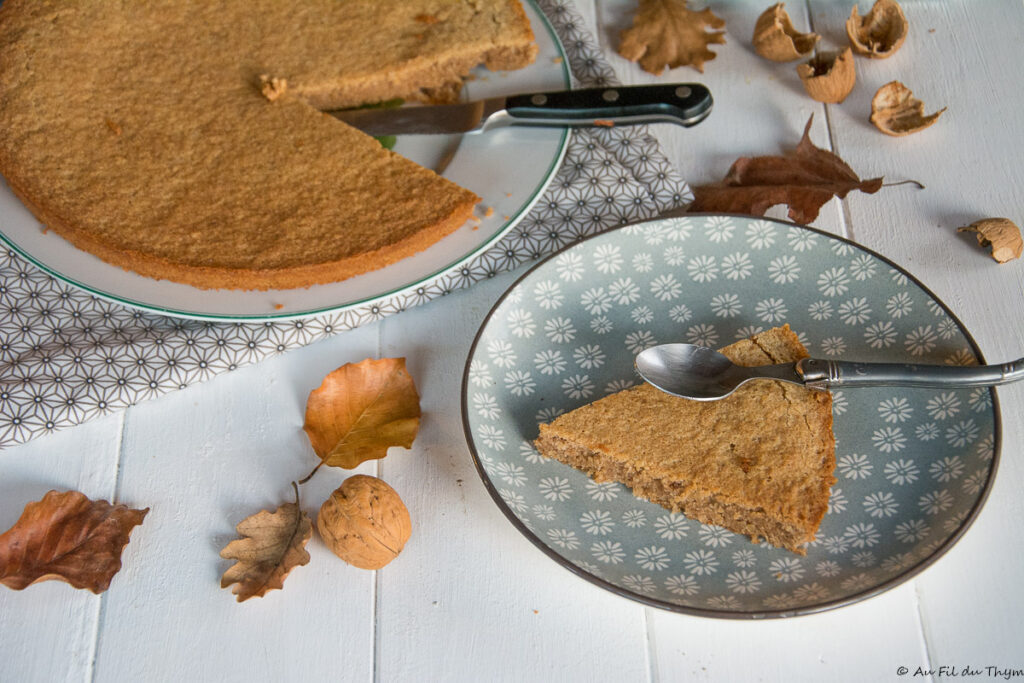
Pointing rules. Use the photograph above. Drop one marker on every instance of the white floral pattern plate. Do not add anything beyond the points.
(913, 465)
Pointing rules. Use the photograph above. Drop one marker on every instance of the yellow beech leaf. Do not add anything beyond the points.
(362, 409)
(271, 545)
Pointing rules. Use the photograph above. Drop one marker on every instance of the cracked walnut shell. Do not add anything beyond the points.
(364, 522)
(777, 40)
(895, 111)
(880, 32)
(1001, 233)
(828, 76)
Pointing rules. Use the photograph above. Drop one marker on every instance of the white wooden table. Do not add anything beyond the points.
(471, 599)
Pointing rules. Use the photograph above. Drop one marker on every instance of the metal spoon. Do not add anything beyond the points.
(699, 373)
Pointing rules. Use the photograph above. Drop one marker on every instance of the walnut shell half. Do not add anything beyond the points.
(880, 32)
(364, 522)
(1002, 233)
(895, 111)
(777, 40)
(828, 76)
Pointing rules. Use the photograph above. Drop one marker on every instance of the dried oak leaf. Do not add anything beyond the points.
(666, 33)
(803, 179)
(1002, 233)
(66, 536)
(895, 111)
(776, 38)
(880, 32)
(362, 409)
(272, 544)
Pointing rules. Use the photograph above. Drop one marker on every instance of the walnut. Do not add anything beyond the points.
(364, 522)
(777, 40)
(880, 32)
(828, 76)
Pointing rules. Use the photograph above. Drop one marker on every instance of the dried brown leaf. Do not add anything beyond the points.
(362, 409)
(67, 537)
(895, 111)
(272, 544)
(828, 76)
(803, 179)
(776, 38)
(880, 32)
(666, 33)
(364, 522)
(1002, 233)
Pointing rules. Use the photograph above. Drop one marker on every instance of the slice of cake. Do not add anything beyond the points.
(139, 131)
(758, 462)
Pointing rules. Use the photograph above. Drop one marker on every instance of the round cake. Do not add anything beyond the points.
(140, 133)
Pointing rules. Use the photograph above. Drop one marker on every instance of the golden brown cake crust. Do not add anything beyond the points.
(139, 133)
(758, 462)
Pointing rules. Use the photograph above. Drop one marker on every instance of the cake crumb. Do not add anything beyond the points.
(114, 128)
(508, 194)
(557, 60)
(272, 87)
(278, 307)
(604, 123)
(488, 212)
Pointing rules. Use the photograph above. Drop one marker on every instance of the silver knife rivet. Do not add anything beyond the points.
(683, 91)
(610, 95)
(539, 99)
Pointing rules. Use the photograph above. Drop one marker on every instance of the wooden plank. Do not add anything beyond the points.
(863, 642)
(470, 598)
(48, 630)
(761, 108)
(970, 162)
(204, 459)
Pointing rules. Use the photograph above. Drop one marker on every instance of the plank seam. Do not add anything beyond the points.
(101, 609)
(922, 630)
(845, 217)
(652, 669)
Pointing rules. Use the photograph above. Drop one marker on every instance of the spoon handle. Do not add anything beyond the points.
(823, 374)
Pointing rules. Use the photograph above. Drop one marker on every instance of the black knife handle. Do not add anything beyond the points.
(686, 104)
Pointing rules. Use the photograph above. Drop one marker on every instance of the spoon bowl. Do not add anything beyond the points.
(700, 373)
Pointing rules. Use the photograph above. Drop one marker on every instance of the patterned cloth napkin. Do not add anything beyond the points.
(67, 356)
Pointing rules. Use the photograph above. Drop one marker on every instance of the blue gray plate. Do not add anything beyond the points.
(913, 465)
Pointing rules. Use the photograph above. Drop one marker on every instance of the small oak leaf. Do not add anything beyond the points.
(803, 180)
(362, 409)
(666, 33)
(272, 544)
(67, 537)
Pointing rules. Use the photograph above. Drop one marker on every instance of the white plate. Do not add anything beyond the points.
(509, 169)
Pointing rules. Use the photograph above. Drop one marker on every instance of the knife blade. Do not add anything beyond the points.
(686, 104)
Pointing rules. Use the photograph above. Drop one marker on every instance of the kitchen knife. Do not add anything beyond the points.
(686, 104)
